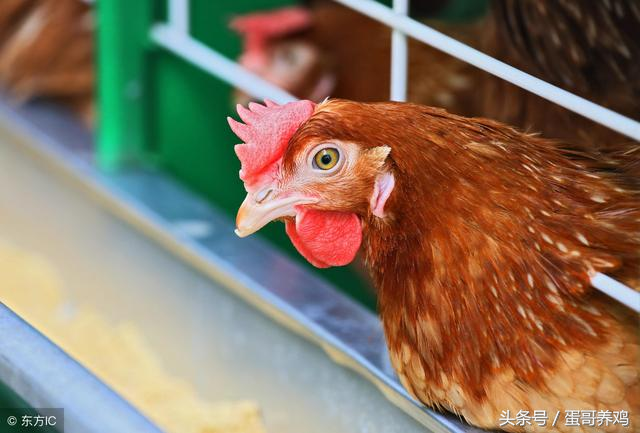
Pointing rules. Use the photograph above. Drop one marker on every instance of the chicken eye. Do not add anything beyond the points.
(326, 158)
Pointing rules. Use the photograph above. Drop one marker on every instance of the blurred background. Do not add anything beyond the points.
(127, 90)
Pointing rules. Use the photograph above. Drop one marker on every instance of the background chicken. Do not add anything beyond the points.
(588, 48)
(331, 50)
(46, 51)
(481, 241)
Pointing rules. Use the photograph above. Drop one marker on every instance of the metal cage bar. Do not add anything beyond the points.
(198, 54)
(179, 15)
(597, 113)
(399, 56)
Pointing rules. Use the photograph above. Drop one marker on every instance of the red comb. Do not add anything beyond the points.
(266, 133)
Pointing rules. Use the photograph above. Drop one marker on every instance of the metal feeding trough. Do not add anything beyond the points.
(218, 310)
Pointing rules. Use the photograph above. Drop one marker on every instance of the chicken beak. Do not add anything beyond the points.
(260, 208)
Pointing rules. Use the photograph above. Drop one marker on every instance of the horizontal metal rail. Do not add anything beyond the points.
(618, 291)
(198, 54)
(599, 114)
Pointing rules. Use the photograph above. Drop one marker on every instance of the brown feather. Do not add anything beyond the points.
(484, 259)
(47, 52)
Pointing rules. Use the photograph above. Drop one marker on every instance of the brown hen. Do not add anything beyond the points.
(481, 241)
(46, 51)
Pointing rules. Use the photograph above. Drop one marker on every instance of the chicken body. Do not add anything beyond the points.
(590, 48)
(46, 51)
(481, 241)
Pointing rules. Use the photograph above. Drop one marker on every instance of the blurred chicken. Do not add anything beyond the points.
(481, 241)
(46, 51)
(591, 48)
(331, 50)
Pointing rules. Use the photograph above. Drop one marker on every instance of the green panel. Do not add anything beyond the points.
(175, 116)
(463, 10)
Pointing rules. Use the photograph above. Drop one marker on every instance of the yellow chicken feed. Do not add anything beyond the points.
(118, 354)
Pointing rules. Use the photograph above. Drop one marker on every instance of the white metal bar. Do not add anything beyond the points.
(399, 56)
(617, 290)
(216, 64)
(179, 15)
(622, 124)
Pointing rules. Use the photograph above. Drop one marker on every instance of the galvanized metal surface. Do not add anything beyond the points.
(35, 367)
(194, 322)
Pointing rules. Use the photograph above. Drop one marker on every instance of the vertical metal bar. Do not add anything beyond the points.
(399, 56)
(179, 15)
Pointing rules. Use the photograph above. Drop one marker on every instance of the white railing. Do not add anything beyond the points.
(198, 54)
(174, 36)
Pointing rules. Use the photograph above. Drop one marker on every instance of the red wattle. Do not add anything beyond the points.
(326, 238)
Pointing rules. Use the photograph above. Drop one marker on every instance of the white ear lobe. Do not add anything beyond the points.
(381, 191)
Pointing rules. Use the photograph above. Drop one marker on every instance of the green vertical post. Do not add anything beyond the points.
(122, 57)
